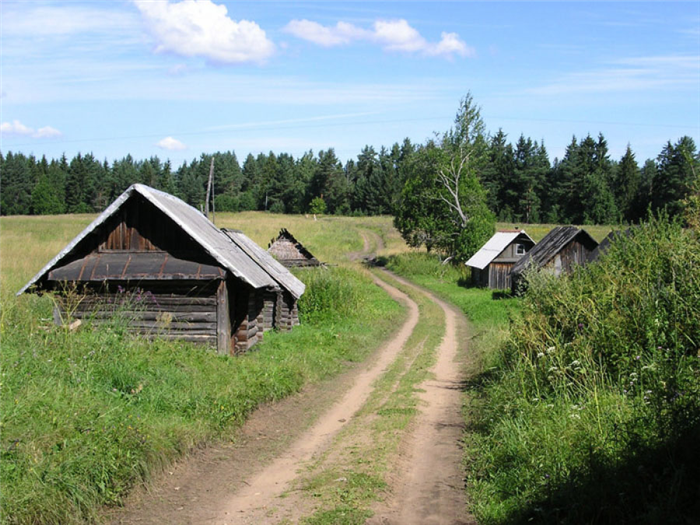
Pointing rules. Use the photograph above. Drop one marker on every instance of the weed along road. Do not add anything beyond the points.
(381, 443)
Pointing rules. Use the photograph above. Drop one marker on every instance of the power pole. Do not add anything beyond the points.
(211, 176)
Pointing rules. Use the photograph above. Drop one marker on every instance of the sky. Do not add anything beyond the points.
(181, 78)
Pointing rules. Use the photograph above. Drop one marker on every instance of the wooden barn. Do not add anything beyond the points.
(559, 251)
(290, 252)
(173, 273)
(604, 245)
(491, 265)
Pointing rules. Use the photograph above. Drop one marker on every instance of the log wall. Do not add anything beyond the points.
(185, 312)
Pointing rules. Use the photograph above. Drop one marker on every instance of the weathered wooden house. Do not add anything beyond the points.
(559, 251)
(290, 252)
(173, 273)
(491, 265)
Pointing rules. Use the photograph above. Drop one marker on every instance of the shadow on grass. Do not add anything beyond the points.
(653, 485)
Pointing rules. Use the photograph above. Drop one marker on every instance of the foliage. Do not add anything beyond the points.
(591, 409)
(317, 206)
(443, 204)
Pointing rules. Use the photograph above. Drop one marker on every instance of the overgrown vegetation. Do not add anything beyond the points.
(87, 415)
(593, 413)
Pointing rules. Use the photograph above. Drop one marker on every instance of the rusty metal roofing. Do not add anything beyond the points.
(278, 272)
(134, 266)
(494, 247)
(550, 245)
(214, 241)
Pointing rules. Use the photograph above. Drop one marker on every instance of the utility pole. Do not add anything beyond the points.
(211, 176)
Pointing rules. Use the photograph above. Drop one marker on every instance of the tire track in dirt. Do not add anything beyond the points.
(429, 485)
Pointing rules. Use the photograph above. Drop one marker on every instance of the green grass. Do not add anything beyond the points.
(87, 415)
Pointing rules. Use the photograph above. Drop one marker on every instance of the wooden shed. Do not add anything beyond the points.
(290, 252)
(491, 265)
(173, 274)
(559, 251)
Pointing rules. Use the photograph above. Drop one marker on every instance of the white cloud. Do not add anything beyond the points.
(391, 35)
(202, 28)
(342, 33)
(171, 144)
(47, 132)
(16, 128)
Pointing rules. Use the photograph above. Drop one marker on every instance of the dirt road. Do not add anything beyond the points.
(243, 482)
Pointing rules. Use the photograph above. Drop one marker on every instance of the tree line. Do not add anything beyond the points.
(520, 183)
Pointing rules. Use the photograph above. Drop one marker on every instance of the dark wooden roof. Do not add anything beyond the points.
(290, 251)
(551, 244)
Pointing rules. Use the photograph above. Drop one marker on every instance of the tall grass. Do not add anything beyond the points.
(593, 412)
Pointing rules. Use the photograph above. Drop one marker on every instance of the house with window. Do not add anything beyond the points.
(491, 265)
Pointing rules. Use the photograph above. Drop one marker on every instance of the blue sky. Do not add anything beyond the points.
(176, 79)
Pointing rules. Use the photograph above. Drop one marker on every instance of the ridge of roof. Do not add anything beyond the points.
(549, 246)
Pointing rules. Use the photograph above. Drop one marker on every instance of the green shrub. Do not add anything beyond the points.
(592, 414)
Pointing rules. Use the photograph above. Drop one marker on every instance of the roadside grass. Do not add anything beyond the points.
(86, 415)
(351, 475)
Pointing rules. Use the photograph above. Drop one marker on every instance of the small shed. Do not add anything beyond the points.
(559, 251)
(491, 265)
(290, 252)
(173, 273)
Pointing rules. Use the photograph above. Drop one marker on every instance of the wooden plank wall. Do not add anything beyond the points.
(186, 313)
(499, 275)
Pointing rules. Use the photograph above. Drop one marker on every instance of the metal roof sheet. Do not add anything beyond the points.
(214, 241)
(494, 247)
(278, 272)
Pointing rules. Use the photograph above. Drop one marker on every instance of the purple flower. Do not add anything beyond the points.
(638, 357)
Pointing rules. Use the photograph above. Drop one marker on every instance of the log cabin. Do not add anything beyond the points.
(559, 252)
(290, 252)
(172, 274)
(491, 265)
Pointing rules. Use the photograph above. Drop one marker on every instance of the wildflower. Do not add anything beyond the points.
(575, 362)
(540, 354)
(550, 350)
(638, 358)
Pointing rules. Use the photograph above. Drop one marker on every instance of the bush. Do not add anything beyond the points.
(594, 411)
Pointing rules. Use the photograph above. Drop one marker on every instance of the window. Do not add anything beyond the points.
(519, 249)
